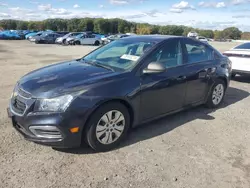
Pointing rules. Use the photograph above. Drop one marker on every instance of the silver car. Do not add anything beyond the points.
(63, 40)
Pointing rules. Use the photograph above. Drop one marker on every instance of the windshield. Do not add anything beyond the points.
(79, 36)
(243, 46)
(120, 54)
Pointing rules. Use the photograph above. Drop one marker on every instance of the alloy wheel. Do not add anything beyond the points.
(110, 127)
(218, 94)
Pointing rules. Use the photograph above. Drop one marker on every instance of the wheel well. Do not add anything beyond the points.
(123, 102)
(224, 80)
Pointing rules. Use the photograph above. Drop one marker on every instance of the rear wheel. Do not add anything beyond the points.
(217, 94)
(97, 43)
(107, 126)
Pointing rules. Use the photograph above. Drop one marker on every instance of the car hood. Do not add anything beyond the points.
(66, 77)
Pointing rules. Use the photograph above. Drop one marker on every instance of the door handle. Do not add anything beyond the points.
(181, 78)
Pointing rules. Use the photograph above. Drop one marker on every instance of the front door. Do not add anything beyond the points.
(199, 65)
(164, 92)
(84, 39)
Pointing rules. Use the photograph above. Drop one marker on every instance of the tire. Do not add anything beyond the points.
(216, 94)
(98, 140)
(97, 43)
(64, 42)
(77, 42)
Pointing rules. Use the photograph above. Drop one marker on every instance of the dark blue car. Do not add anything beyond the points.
(48, 38)
(125, 83)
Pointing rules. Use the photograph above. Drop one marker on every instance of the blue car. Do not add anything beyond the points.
(9, 35)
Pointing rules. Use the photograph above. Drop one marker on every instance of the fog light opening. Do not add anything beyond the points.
(50, 132)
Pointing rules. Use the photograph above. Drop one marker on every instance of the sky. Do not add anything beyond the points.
(215, 14)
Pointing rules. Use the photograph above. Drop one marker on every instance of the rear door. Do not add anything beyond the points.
(200, 64)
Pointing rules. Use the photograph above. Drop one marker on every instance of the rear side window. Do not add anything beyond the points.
(197, 52)
(243, 46)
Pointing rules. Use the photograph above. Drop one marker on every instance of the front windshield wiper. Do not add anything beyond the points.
(98, 65)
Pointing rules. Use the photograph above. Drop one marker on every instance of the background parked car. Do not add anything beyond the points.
(49, 38)
(240, 57)
(202, 39)
(113, 37)
(62, 39)
(89, 39)
(37, 35)
(71, 39)
(9, 35)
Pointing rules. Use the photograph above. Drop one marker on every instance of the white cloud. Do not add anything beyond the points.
(180, 7)
(45, 7)
(101, 6)
(4, 15)
(118, 2)
(15, 8)
(34, 2)
(176, 10)
(220, 5)
(183, 5)
(3, 4)
(53, 11)
(238, 2)
(76, 6)
(212, 4)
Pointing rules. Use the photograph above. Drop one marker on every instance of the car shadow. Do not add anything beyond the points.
(242, 78)
(168, 123)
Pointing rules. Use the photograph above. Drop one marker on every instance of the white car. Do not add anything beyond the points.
(240, 57)
(89, 39)
(202, 39)
(192, 34)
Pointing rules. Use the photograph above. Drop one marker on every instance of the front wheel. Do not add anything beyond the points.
(77, 42)
(233, 75)
(217, 94)
(107, 126)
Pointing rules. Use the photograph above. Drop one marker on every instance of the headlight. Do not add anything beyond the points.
(58, 104)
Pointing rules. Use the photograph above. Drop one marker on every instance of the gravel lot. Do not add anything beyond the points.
(198, 148)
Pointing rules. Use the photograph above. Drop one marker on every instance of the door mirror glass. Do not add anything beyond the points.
(154, 67)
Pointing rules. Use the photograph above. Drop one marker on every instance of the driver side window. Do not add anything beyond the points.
(170, 54)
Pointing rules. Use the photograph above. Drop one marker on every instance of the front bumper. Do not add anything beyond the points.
(61, 121)
(58, 42)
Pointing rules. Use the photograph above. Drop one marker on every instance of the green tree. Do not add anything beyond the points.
(22, 25)
(232, 33)
(245, 36)
(89, 24)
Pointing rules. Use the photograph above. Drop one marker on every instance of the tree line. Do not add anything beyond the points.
(116, 25)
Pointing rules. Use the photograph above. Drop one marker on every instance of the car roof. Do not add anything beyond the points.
(157, 38)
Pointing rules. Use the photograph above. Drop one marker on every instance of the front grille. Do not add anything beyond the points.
(18, 106)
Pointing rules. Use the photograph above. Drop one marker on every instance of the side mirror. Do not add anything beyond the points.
(154, 67)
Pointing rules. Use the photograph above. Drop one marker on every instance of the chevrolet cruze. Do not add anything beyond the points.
(130, 81)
